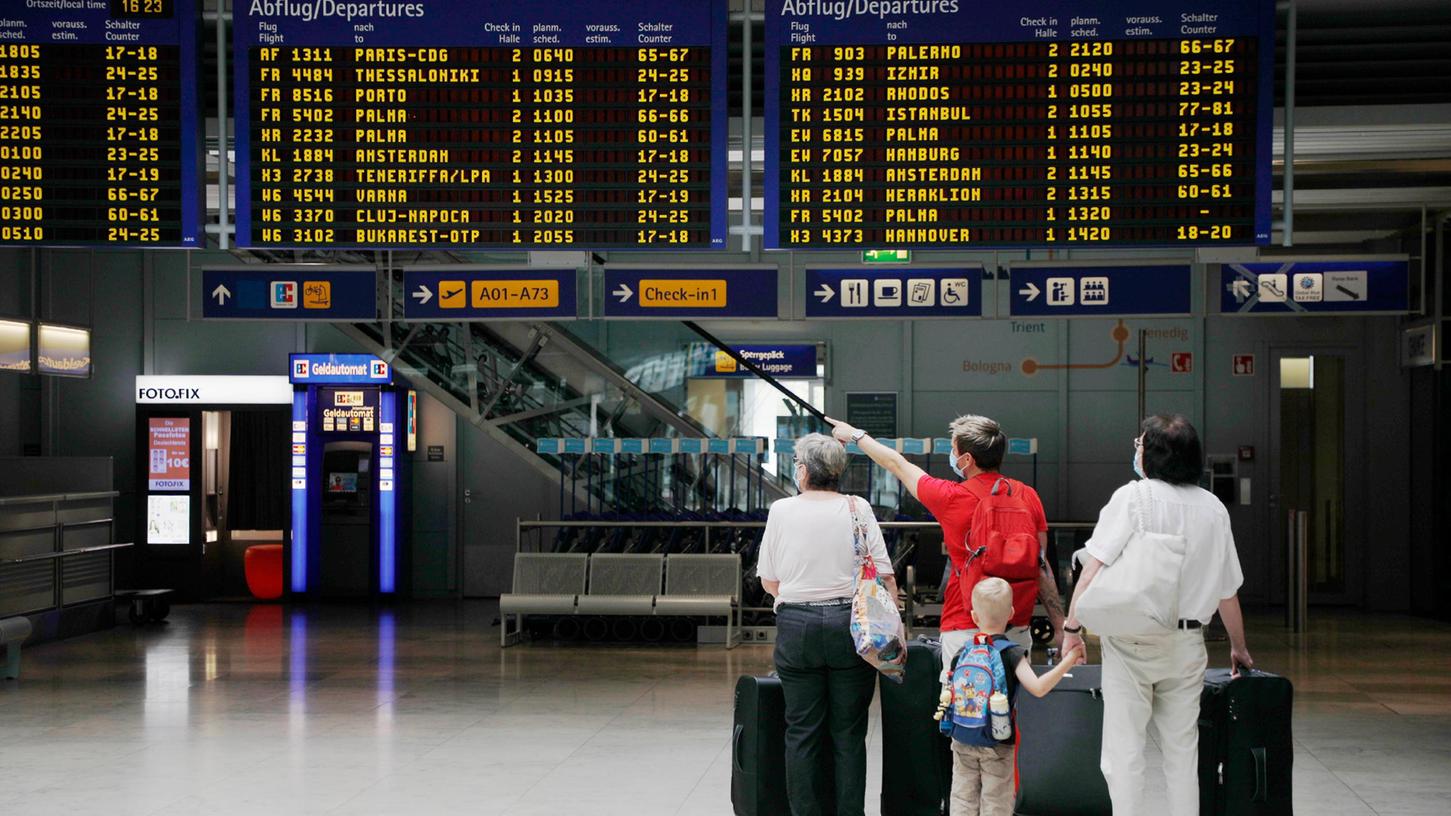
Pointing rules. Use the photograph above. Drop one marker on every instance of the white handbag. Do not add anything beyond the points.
(1138, 594)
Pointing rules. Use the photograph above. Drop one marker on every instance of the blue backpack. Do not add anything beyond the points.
(977, 672)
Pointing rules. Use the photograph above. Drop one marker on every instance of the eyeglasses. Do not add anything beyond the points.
(1138, 441)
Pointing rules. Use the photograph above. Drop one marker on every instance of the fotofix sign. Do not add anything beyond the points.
(170, 454)
(212, 390)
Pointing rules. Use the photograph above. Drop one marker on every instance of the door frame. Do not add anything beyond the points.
(1356, 447)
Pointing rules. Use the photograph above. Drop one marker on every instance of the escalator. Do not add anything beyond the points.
(521, 381)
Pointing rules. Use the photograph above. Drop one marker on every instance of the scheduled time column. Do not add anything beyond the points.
(22, 195)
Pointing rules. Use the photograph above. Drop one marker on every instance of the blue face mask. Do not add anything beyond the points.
(955, 469)
(1139, 463)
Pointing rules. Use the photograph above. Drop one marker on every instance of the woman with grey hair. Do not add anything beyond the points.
(809, 565)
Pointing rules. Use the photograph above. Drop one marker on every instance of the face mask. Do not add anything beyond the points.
(955, 469)
(1139, 463)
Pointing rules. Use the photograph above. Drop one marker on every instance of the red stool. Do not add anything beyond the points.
(263, 565)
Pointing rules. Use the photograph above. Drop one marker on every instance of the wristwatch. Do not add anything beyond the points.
(857, 437)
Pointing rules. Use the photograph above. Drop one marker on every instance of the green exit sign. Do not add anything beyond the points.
(886, 256)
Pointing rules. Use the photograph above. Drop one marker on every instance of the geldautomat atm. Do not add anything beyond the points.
(352, 431)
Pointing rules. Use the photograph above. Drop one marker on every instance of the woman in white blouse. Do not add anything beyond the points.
(808, 563)
(1159, 678)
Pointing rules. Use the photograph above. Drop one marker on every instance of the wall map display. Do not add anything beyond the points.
(99, 124)
(943, 123)
(481, 123)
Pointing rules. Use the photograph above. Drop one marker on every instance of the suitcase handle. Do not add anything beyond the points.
(740, 731)
(1262, 786)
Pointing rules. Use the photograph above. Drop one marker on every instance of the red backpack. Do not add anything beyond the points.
(1003, 543)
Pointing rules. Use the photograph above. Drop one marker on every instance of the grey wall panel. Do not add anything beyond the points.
(435, 501)
(22, 544)
(27, 587)
(89, 535)
(503, 490)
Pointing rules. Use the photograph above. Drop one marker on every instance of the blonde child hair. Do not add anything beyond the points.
(992, 603)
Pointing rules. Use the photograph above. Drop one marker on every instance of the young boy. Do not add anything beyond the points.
(982, 777)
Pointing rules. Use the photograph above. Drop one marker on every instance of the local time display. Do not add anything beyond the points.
(948, 123)
(457, 123)
(98, 123)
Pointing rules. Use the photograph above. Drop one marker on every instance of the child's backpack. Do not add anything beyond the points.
(1003, 543)
(977, 672)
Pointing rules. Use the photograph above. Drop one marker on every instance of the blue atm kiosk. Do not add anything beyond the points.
(352, 431)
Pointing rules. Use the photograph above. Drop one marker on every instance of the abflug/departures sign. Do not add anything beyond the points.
(481, 123)
(932, 123)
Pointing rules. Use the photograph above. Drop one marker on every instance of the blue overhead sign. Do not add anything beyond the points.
(338, 369)
(277, 292)
(701, 293)
(465, 293)
(895, 293)
(1315, 287)
(780, 360)
(1055, 290)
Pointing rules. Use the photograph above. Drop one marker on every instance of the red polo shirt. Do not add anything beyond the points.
(953, 505)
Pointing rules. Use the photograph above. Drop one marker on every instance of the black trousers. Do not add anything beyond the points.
(828, 689)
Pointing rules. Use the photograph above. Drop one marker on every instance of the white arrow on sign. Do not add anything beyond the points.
(825, 293)
(423, 295)
(1031, 291)
(221, 293)
(1241, 289)
(623, 293)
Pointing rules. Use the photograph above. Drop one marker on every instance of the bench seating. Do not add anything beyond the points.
(544, 584)
(623, 584)
(13, 632)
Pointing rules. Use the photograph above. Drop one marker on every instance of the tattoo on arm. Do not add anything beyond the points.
(1048, 594)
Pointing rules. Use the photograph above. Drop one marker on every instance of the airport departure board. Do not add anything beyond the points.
(481, 123)
(99, 123)
(951, 123)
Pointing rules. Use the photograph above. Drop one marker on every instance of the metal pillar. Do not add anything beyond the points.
(224, 239)
(746, 102)
(1288, 234)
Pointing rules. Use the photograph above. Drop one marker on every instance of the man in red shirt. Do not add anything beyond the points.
(978, 445)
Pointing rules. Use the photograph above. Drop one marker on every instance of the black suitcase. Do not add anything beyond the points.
(1245, 747)
(1060, 737)
(758, 752)
(916, 757)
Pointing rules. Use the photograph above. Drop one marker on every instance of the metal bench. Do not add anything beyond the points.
(703, 586)
(622, 584)
(13, 632)
(544, 584)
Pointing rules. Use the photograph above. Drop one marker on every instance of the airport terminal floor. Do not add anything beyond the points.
(252, 709)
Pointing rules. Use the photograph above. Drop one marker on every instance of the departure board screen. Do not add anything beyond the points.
(950, 123)
(98, 123)
(481, 123)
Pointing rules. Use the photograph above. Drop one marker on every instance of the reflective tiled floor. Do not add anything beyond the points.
(334, 709)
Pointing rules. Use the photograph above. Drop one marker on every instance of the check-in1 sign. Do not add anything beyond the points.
(714, 293)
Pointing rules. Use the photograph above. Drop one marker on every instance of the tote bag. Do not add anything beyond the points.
(1138, 594)
(876, 624)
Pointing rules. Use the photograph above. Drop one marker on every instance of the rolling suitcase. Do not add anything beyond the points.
(916, 757)
(1060, 737)
(1245, 746)
(758, 752)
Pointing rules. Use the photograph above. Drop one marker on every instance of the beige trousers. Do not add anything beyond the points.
(1152, 680)
(982, 781)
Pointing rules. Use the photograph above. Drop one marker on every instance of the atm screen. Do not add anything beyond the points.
(342, 483)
